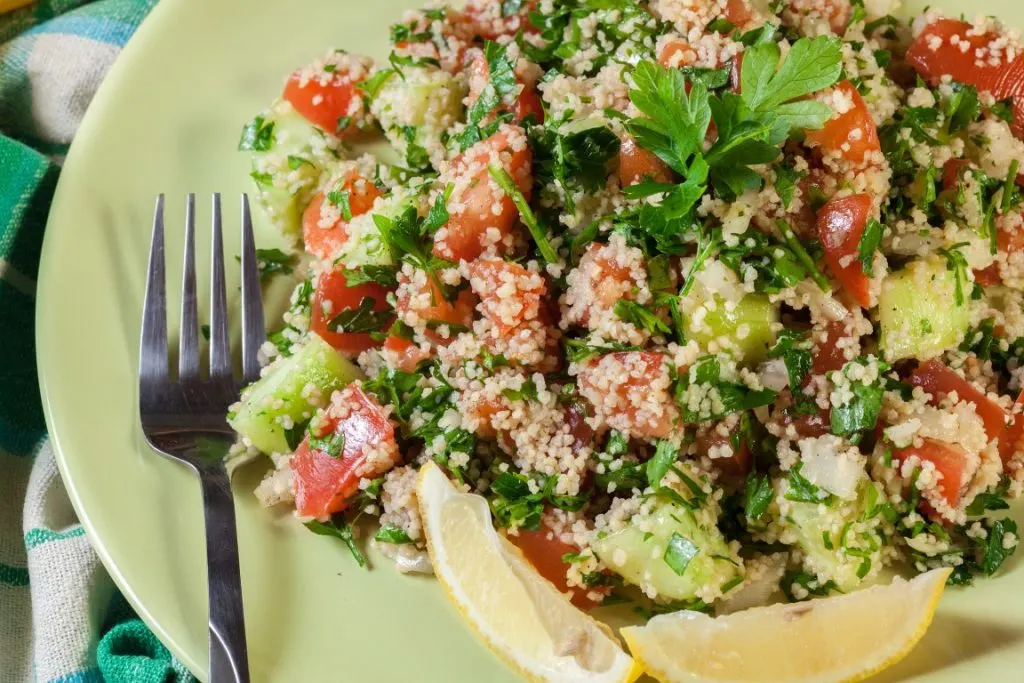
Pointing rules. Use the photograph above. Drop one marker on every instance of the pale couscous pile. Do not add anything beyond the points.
(713, 300)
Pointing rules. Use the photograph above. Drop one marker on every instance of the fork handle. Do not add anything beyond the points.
(229, 658)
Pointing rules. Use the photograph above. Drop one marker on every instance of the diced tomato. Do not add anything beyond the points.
(332, 287)
(545, 554)
(440, 311)
(851, 135)
(330, 101)
(814, 424)
(939, 380)
(736, 465)
(463, 238)
(529, 106)
(637, 164)
(933, 55)
(828, 355)
(528, 103)
(735, 74)
(635, 373)
(840, 227)
(606, 282)
(510, 295)
(486, 18)
(324, 482)
(737, 12)
(324, 228)
(409, 355)
(949, 460)
(576, 417)
(676, 53)
(1012, 440)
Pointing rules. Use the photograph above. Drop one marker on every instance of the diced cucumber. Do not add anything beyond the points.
(426, 96)
(281, 397)
(838, 543)
(918, 311)
(639, 556)
(743, 327)
(415, 109)
(364, 245)
(286, 165)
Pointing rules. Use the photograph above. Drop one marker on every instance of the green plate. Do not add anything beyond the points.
(167, 120)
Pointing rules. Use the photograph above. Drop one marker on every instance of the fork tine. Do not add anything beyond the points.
(220, 353)
(253, 332)
(153, 348)
(188, 344)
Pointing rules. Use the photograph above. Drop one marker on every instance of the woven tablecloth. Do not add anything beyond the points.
(61, 619)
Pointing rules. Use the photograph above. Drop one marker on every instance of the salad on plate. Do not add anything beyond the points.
(716, 303)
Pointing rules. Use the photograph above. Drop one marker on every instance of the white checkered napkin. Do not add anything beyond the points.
(70, 589)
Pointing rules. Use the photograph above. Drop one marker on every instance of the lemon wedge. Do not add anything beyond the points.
(519, 614)
(842, 638)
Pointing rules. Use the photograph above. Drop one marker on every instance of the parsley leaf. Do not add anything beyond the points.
(339, 528)
(665, 454)
(388, 533)
(676, 121)
(757, 495)
(382, 275)
(803, 491)
(257, 135)
(868, 245)
(362, 318)
(679, 552)
(526, 215)
(271, 262)
(641, 316)
(860, 412)
(795, 350)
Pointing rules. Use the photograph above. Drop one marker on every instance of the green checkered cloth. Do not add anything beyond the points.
(61, 619)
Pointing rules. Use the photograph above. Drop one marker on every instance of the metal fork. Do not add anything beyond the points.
(184, 419)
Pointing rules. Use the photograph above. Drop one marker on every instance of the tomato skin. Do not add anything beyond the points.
(332, 286)
(852, 135)
(1004, 80)
(323, 242)
(1012, 440)
(737, 12)
(938, 380)
(335, 99)
(409, 355)
(545, 554)
(840, 227)
(637, 164)
(949, 460)
(527, 104)
(736, 466)
(440, 311)
(323, 483)
(515, 284)
(462, 238)
(828, 356)
(645, 367)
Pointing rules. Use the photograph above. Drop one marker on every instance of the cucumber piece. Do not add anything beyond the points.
(416, 110)
(281, 395)
(286, 167)
(917, 311)
(365, 246)
(642, 554)
(838, 543)
(753, 316)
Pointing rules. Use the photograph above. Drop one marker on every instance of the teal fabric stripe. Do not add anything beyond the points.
(37, 537)
(88, 676)
(104, 31)
(13, 576)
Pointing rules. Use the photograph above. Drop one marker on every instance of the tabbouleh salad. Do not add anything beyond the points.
(716, 299)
